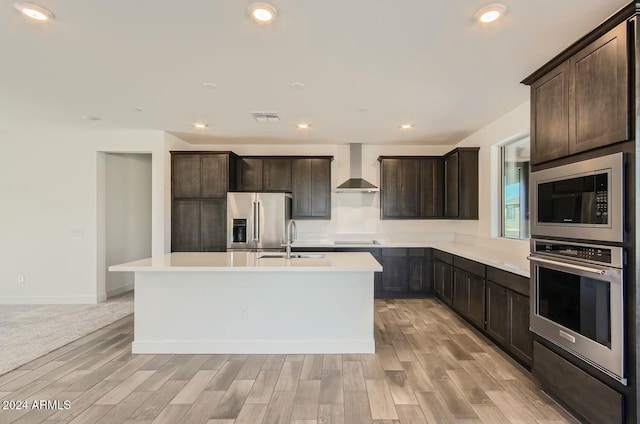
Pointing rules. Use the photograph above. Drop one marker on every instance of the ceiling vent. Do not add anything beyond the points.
(266, 116)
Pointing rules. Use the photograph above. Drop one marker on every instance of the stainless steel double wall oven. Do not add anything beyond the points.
(577, 260)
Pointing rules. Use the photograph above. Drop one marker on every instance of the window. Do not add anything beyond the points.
(515, 189)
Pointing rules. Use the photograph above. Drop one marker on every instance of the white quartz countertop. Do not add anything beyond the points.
(512, 261)
(250, 261)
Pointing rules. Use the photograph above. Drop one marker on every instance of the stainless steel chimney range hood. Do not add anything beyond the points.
(356, 184)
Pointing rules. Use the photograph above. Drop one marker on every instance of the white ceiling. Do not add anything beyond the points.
(419, 61)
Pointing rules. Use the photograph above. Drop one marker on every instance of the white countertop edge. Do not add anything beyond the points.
(249, 262)
(118, 268)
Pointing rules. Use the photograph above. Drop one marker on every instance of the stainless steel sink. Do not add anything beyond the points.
(293, 256)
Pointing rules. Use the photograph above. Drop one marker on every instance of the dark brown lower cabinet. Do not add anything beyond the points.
(213, 222)
(460, 302)
(495, 301)
(185, 226)
(395, 275)
(199, 225)
(443, 281)
(443, 276)
(507, 313)
(468, 296)
(447, 286)
(521, 339)
(498, 326)
(407, 272)
(420, 271)
(476, 300)
(594, 401)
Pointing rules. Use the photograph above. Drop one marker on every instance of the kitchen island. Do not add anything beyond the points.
(244, 303)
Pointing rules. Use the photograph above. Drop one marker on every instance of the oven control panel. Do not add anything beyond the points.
(583, 252)
(602, 214)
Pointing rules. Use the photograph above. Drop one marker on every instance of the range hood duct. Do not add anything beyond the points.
(356, 184)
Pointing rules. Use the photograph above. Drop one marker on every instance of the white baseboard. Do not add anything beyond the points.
(254, 346)
(49, 300)
(119, 290)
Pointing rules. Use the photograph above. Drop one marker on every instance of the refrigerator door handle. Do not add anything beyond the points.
(256, 221)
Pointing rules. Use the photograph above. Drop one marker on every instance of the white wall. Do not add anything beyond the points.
(128, 215)
(50, 220)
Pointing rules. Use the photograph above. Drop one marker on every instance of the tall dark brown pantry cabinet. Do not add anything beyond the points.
(199, 185)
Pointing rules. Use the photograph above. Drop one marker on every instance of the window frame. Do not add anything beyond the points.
(502, 205)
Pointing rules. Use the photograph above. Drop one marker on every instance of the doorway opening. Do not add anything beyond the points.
(124, 218)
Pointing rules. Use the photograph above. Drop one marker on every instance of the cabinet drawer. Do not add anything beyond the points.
(390, 252)
(469, 266)
(517, 283)
(439, 255)
(586, 395)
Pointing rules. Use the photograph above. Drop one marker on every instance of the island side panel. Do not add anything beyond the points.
(254, 312)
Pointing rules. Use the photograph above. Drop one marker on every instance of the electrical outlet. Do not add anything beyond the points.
(244, 312)
(20, 279)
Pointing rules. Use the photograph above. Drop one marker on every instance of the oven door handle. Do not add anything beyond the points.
(570, 266)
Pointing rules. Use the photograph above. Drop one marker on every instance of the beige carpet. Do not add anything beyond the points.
(30, 331)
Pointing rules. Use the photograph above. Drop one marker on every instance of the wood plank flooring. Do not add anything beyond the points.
(429, 367)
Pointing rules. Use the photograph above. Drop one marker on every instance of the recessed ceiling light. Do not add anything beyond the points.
(209, 85)
(200, 125)
(491, 13)
(406, 126)
(262, 12)
(33, 11)
(303, 126)
(297, 85)
(91, 118)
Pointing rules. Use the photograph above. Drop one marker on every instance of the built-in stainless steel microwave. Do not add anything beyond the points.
(582, 200)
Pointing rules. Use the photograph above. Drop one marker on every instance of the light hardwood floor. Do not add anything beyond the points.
(429, 367)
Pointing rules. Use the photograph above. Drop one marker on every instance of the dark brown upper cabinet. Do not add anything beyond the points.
(201, 174)
(461, 183)
(411, 187)
(430, 187)
(276, 174)
(550, 116)
(400, 185)
(451, 185)
(598, 107)
(264, 174)
(581, 103)
(250, 174)
(185, 175)
(311, 187)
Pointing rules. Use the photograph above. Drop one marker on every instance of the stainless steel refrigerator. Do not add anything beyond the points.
(257, 221)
